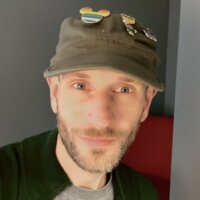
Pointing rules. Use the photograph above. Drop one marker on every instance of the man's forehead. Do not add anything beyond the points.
(100, 73)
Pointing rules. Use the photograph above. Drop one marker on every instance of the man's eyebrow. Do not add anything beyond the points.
(126, 79)
(77, 74)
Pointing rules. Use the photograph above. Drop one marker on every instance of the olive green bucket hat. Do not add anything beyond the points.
(116, 42)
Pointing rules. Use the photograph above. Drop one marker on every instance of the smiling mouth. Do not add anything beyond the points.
(98, 141)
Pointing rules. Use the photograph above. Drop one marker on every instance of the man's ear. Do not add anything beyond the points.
(150, 94)
(53, 83)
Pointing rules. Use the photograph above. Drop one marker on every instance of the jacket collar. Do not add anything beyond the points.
(43, 174)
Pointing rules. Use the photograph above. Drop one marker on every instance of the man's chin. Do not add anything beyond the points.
(95, 151)
(97, 161)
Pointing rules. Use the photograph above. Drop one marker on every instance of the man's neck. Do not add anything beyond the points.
(78, 176)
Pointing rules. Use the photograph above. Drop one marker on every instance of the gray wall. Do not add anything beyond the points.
(185, 180)
(28, 36)
(172, 51)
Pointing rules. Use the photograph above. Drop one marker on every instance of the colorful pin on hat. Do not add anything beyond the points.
(128, 19)
(129, 23)
(90, 16)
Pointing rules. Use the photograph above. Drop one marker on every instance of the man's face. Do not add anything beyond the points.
(98, 113)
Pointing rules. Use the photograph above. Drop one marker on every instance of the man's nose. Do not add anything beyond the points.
(100, 111)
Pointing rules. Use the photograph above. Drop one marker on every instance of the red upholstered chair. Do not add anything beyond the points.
(150, 153)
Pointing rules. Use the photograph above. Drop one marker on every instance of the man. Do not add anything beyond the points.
(102, 80)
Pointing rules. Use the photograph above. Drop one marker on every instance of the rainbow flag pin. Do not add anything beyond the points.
(90, 16)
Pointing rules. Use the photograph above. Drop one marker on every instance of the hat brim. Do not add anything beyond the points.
(106, 61)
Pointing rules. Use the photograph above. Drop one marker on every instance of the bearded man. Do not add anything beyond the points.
(102, 81)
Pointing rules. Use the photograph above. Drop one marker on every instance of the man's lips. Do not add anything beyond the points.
(98, 140)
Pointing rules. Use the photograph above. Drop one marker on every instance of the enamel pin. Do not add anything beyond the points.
(149, 34)
(128, 19)
(129, 23)
(91, 17)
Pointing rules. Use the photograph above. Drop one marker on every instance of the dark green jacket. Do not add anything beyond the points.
(30, 171)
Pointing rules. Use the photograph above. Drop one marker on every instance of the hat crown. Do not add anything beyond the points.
(117, 42)
(73, 30)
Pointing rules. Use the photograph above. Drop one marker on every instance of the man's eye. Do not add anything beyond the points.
(80, 86)
(124, 90)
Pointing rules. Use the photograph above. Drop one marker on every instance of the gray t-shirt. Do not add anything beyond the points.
(76, 193)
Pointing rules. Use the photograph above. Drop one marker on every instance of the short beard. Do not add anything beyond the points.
(100, 163)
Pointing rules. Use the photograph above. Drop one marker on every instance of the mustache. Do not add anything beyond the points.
(106, 132)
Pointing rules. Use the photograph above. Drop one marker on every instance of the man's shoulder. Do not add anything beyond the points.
(11, 154)
(14, 148)
(15, 157)
(131, 174)
(40, 139)
(134, 183)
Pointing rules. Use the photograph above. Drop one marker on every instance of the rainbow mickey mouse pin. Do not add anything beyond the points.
(90, 16)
